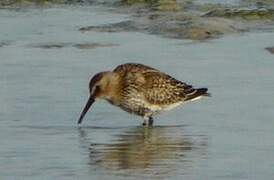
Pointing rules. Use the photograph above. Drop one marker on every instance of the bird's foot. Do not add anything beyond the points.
(150, 121)
(145, 123)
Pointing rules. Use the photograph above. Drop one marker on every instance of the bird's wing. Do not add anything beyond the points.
(162, 89)
(133, 79)
(157, 87)
(133, 68)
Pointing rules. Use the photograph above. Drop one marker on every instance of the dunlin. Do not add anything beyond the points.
(140, 90)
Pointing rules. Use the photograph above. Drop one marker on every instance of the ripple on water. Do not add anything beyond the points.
(59, 45)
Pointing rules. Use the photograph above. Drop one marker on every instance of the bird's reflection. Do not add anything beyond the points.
(142, 149)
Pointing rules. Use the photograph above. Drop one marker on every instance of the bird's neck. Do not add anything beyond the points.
(113, 88)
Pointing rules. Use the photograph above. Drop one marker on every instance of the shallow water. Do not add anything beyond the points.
(227, 2)
(43, 90)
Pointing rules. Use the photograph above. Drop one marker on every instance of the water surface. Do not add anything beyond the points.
(227, 136)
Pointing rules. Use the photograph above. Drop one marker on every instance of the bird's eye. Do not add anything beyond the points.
(97, 88)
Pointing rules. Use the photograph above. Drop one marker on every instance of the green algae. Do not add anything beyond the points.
(246, 14)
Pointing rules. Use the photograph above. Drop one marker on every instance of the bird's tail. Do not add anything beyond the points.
(202, 92)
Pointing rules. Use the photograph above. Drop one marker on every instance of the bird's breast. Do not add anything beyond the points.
(113, 100)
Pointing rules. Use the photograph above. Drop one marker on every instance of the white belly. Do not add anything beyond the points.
(171, 106)
(157, 108)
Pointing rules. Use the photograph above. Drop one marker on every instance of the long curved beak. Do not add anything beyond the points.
(85, 110)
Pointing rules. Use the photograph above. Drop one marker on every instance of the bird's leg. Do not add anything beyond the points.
(145, 121)
(150, 121)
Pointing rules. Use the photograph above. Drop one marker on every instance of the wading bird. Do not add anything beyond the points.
(140, 90)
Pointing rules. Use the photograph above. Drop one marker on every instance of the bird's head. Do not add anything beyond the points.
(98, 87)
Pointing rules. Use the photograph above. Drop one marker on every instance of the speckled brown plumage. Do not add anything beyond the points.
(141, 90)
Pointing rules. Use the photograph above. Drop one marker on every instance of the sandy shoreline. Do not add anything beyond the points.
(175, 19)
